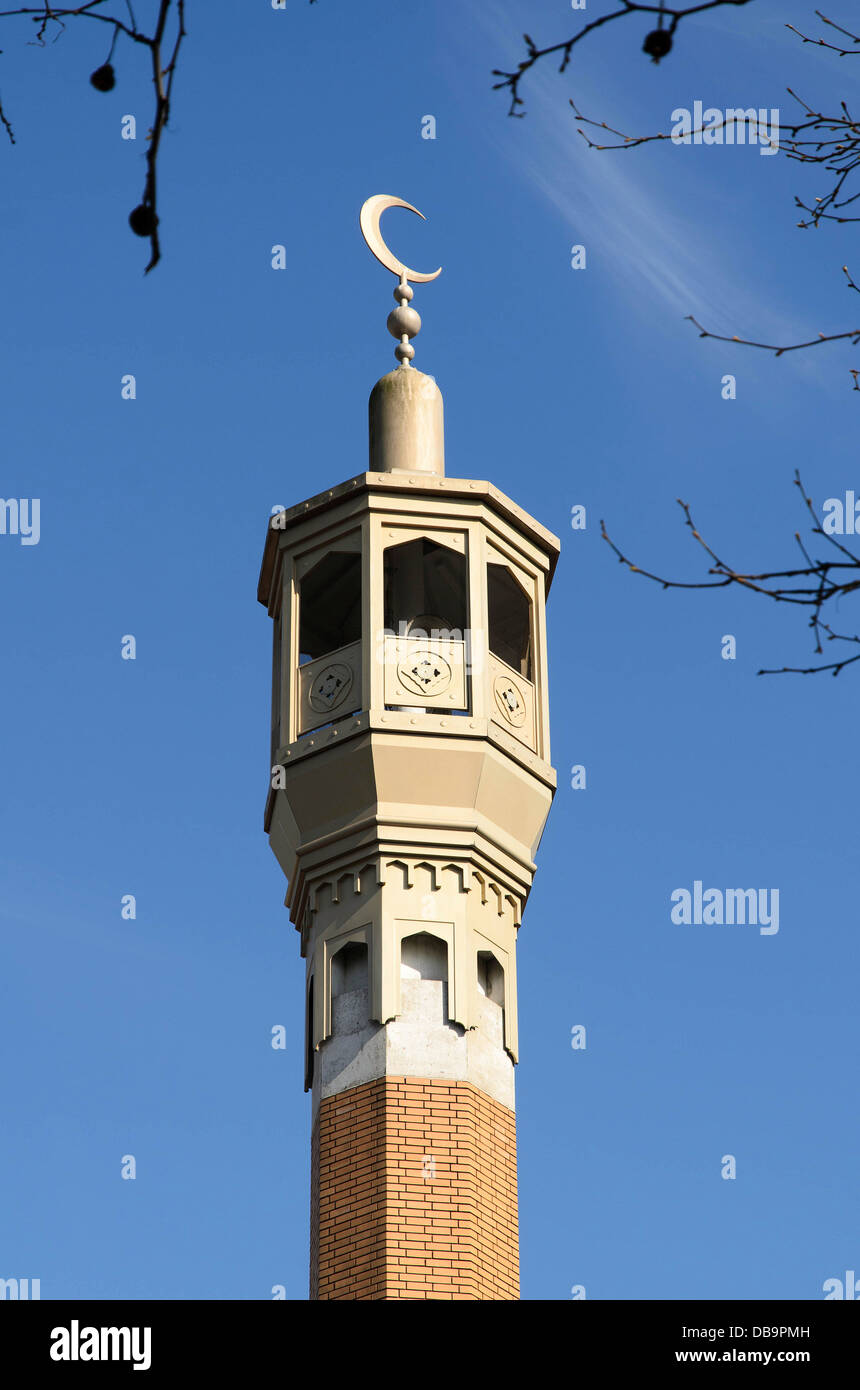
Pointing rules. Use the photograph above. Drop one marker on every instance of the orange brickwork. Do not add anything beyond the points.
(414, 1193)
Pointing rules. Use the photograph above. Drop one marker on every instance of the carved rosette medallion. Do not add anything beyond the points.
(510, 701)
(330, 688)
(425, 673)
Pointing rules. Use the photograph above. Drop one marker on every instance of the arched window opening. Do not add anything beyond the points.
(491, 998)
(423, 957)
(330, 605)
(491, 977)
(350, 977)
(510, 620)
(349, 969)
(425, 590)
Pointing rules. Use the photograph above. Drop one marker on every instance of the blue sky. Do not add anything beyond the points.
(564, 387)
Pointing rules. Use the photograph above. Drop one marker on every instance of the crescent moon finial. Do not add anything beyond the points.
(403, 322)
(369, 217)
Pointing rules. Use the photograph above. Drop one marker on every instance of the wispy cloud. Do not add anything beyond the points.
(649, 218)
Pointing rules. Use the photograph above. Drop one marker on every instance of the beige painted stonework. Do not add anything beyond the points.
(400, 812)
(405, 419)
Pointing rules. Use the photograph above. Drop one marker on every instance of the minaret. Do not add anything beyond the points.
(410, 786)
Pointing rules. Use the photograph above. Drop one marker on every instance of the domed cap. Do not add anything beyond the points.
(406, 424)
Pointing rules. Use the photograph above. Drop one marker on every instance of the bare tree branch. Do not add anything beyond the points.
(657, 48)
(832, 142)
(776, 349)
(144, 218)
(822, 43)
(162, 78)
(46, 14)
(817, 583)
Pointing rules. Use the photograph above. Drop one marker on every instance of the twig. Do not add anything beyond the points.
(512, 80)
(826, 581)
(162, 76)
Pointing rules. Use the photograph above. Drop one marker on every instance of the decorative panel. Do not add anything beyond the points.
(426, 673)
(512, 701)
(329, 687)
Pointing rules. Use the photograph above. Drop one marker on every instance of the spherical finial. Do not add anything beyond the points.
(404, 321)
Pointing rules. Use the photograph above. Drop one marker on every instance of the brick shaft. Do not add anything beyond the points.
(414, 1193)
